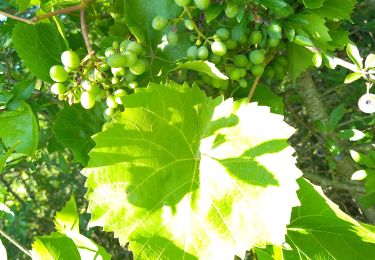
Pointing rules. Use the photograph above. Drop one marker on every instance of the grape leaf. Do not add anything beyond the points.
(312, 4)
(300, 59)
(19, 129)
(180, 175)
(74, 127)
(319, 228)
(336, 9)
(39, 47)
(67, 219)
(273, 3)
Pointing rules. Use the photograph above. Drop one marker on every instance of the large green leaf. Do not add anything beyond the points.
(183, 176)
(38, 46)
(336, 9)
(300, 59)
(19, 129)
(74, 127)
(319, 228)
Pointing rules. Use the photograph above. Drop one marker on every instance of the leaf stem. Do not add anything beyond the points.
(14, 242)
(61, 11)
(84, 32)
(253, 87)
(186, 9)
(16, 17)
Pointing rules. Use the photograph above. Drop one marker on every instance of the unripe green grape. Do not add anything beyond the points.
(198, 42)
(159, 23)
(202, 53)
(240, 60)
(130, 76)
(139, 68)
(58, 88)
(61, 97)
(219, 83)
(242, 72)
(109, 51)
(189, 24)
(70, 59)
(282, 60)
(231, 9)
(118, 72)
(109, 111)
(234, 73)
(223, 34)
(172, 38)
(275, 30)
(100, 76)
(257, 57)
(133, 84)
(231, 44)
(243, 83)
(273, 42)
(243, 39)
(202, 4)
(118, 94)
(248, 66)
(130, 58)
(255, 37)
(269, 72)
(87, 100)
(115, 45)
(134, 47)
(86, 85)
(115, 80)
(219, 48)
(124, 44)
(111, 102)
(257, 70)
(192, 52)
(104, 67)
(58, 73)
(182, 2)
(116, 60)
(215, 59)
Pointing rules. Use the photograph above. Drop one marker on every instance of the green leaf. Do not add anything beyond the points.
(67, 219)
(38, 46)
(362, 159)
(203, 67)
(313, 4)
(368, 200)
(319, 229)
(336, 9)
(219, 167)
(273, 3)
(300, 59)
(303, 40)
(20, 128)
(23, 90)
(353, 77)
(74, 127)
(370, 61)
(213, 12)
(265, 97)
(318, 31)
(4, 158)
(351, 134)
(354, 55)
(335, 117)
(3, 251)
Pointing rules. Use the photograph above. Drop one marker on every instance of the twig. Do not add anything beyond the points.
(195, 25)
(16, 17)
(85, 34)
(14, 242)
(253, 87)
(61, 11)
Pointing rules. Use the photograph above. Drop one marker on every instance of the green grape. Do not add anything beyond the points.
(255, 37)
(130, 76)
(99, 94)
(279, 69)
(248, 66)
(243, 83)
(115, 45)
(234, 73)
(109, 111)
(115, 80)
(130, 58)
(257, 70)
(219, 48)
(189, 24)
(223, 34)
(87, 100)
(202, 4)
(159, 23)
(70, 59)
(275, 30)
(86, 85)
(273, 42)
(182, 2)
(192, 52)
(109, 51)
(231, 44)
(68, 69)
(118, 72)
(231, 10)
(61, 97)
(111, 102)
(202, 53)
(104, 67)
(172, 38)
(100, 76)
(134, 47)
(242, 72)
(243, 39)
(124, 44)
(58, 73)
(116, 60)
(219, 83)
(269, 72)
(139, 68)
(118, 94)
(240, 60)
(133, 84)
(283, 60)
(58, 88)
(257, 57)
(215, 59)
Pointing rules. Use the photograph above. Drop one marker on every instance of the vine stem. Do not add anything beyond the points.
(14, 17)
(14, 242)
(253, 87)
(195, 25)
(84, 32)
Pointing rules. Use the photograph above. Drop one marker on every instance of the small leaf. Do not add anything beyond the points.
(370, 61)
(213, 12)
(362, 159)
(351, 134)
(359, 175)
(313, 4)
(335, 116)
(290, 33)
(273, 3)
(354, 55)
(317, 59)
(67, 219)
(353, 77)
(204, 67)
(303, 41)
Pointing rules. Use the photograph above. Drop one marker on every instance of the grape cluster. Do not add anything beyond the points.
(107, 77)
(243, 52)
